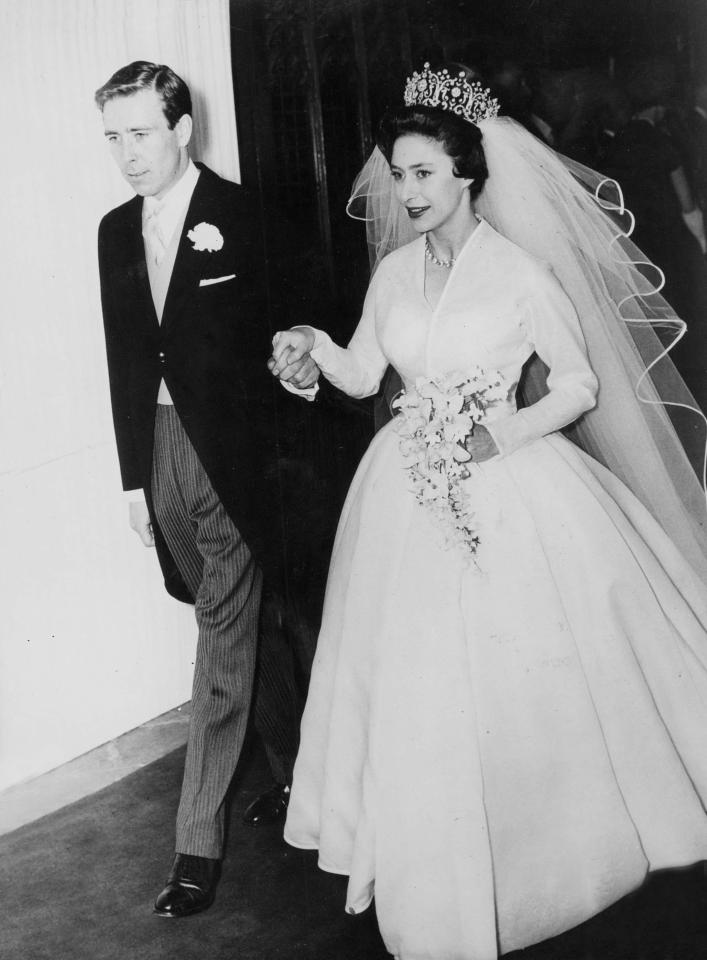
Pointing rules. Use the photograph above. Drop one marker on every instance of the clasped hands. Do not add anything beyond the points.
(291, 360)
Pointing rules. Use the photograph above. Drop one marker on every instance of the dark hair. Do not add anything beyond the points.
(143, 75)
(460, 139)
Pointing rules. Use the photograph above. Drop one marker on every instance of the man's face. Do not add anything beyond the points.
(150, 156)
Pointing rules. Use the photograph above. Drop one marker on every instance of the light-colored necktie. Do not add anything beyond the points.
(152, 232)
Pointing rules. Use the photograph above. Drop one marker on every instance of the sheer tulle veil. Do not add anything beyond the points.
(646, 427)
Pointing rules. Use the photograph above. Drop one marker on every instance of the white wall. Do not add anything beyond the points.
(90, 644)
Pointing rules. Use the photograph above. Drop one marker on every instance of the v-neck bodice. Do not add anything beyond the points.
(499, 306)
(423, 271)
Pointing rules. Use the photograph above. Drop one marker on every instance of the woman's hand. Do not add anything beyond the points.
(290, 358)
(480, 445)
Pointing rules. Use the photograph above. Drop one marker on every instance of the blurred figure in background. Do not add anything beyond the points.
(612, 116)
(649, 165)
(511, 86)
(697, 143)
(584, 108)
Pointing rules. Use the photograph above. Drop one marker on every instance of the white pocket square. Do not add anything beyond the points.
(210, 280)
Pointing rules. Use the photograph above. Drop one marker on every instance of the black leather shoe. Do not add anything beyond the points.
(269, 807)
(191, 886)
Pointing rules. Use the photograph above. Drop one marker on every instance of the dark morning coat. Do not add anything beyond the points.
(211, 349)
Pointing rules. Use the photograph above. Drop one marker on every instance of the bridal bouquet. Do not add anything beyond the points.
(435, 418)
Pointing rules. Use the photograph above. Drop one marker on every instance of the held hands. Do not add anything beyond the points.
(291, 360)
(480, 444)
(140, 522)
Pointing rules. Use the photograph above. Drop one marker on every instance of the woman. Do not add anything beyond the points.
(505, 731)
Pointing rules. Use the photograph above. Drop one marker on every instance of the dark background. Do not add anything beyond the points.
(314, 76)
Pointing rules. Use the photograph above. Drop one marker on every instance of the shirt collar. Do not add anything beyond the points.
(174, 203)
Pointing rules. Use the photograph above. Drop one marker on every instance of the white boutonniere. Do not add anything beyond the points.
(205, 236)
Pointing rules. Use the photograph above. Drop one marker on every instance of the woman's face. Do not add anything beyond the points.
(426, 186)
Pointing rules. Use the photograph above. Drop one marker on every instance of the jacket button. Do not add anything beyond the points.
(161, 356)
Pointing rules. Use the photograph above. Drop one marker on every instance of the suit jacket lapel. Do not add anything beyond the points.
(187, 266)
(136, 267)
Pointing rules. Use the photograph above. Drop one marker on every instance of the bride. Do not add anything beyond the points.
(506, 723)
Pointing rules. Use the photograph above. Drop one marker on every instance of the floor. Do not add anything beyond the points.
(78, 884)
(86, 774)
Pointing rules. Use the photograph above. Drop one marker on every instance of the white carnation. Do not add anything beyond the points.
(205, 236)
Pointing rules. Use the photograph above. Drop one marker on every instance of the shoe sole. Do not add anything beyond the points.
(178, 916)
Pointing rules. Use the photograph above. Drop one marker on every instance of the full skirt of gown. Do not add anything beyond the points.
(498, 749)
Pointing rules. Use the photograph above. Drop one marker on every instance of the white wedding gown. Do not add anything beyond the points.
(498, 750)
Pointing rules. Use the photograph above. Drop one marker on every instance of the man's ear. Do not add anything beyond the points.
(184, 127)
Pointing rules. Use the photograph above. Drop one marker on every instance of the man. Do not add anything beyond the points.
(697, 144)
(669, 225)
(187, 339)
(509, 82)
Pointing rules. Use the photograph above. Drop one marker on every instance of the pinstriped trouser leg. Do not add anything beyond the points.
(221, 573)
(277, 708)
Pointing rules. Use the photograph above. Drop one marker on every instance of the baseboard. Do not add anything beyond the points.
(28, 801)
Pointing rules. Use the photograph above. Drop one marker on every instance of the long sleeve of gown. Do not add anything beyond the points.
(555, 334)
(358, 368)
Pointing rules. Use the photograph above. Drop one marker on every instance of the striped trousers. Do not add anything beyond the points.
(226, 583)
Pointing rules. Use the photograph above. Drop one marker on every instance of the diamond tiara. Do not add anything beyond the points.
(467, 99)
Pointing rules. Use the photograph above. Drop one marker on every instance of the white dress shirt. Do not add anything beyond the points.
(170, 212)
(173, 205)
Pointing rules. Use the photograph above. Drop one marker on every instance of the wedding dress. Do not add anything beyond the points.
(497, 747)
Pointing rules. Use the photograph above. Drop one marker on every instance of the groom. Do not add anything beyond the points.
(186, 336)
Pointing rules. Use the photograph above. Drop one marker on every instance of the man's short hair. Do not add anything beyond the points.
(143, 75)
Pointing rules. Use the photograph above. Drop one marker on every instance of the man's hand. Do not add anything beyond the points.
(140, 522)
(291, 360)
(304, 373)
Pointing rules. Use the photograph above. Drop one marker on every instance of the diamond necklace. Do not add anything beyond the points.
(429, 253)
